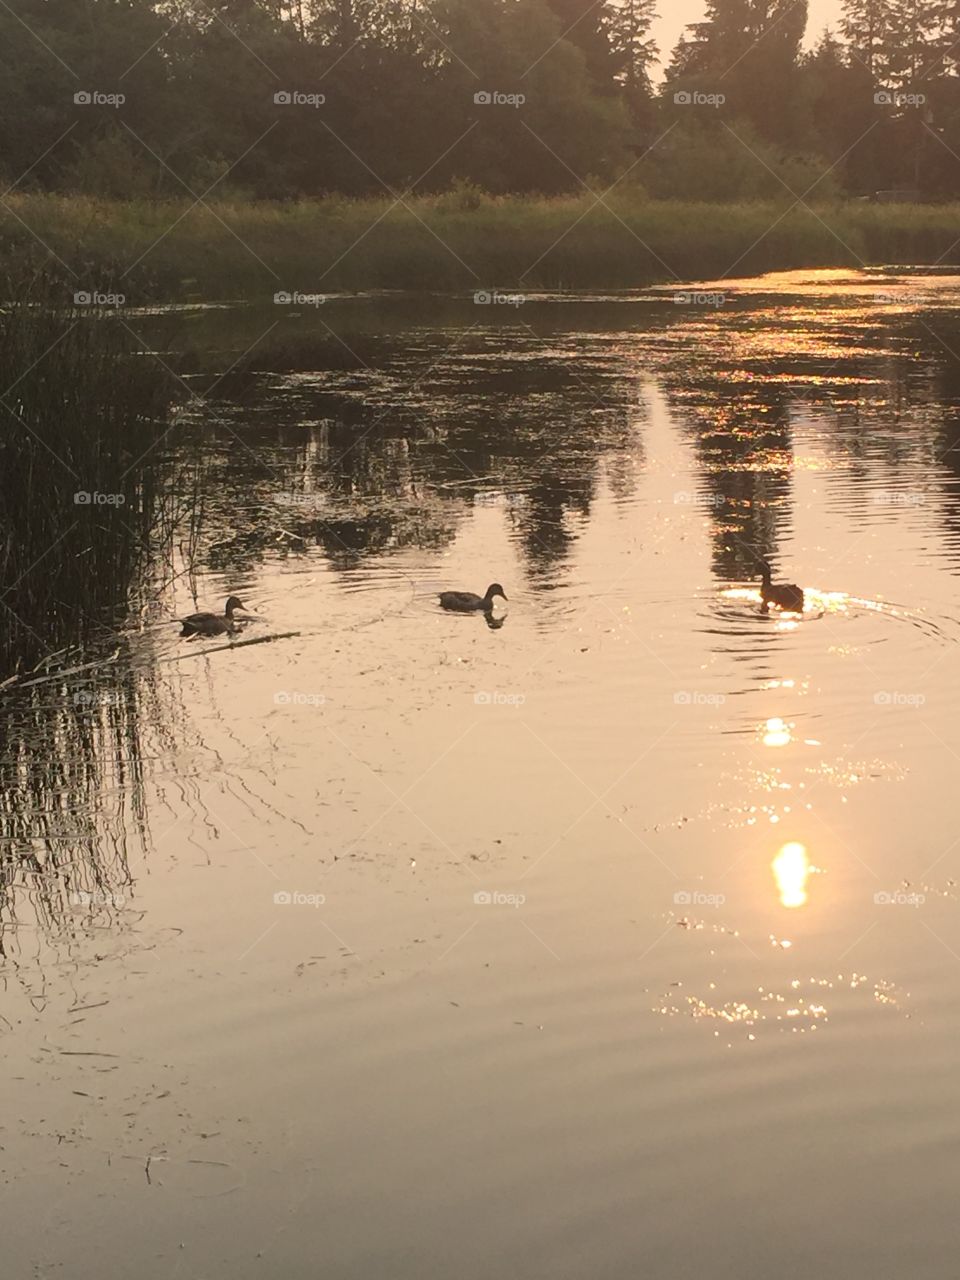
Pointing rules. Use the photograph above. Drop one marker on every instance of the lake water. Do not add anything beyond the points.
(614, 935)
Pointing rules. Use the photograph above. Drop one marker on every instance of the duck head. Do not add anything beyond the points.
(493, 590)
(233, 603)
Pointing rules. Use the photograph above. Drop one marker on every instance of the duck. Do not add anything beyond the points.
(785, 595)
(212, 624)
(468, 602)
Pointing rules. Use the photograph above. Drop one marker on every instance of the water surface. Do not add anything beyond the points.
(616, 937)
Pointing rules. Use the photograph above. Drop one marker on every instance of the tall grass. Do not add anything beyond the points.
(80, 406)
(460, 240)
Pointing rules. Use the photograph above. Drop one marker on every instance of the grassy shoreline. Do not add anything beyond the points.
(462, 240)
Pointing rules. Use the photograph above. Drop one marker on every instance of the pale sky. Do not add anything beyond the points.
(675, 14)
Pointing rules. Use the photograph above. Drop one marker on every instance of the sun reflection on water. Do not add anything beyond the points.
(791, 868)
(776, 733)
(788, 1009)
(816, 602)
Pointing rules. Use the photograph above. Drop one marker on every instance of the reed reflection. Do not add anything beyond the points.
(91, 511)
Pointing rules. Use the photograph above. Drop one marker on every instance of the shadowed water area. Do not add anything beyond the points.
(613, 933)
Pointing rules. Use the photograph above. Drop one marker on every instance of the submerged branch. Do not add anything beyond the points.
(235, 644)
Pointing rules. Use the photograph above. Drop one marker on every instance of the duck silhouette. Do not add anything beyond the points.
(212, 624)
(468, 602)
(785, 595)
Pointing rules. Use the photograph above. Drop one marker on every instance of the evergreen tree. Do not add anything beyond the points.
(399, 79)
(748, 50)
(634, 51)
(867, 26)
(585, 24)
(912, 56)
(844, 124)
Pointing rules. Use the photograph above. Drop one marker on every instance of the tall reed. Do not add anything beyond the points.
(81, 412)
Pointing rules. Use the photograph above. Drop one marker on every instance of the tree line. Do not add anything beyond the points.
(282, 99)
